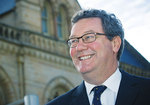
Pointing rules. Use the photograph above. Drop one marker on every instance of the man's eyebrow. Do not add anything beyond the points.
(75, 36)
(72, 36)
(89, 31)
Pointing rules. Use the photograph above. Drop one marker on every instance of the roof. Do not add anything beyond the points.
(6, 6)
(133, 57)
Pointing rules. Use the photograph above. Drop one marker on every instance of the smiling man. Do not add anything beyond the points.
(94, 55)
(96, 44)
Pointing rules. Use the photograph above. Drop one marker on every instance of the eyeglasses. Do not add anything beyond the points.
(86, 38)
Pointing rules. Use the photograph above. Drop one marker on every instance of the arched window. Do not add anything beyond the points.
(47, 19)
(56, 87)
(62, 23)
(57, 91)
(6, 86)
(2, 96)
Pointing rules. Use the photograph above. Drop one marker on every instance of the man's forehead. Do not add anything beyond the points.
(84, 26)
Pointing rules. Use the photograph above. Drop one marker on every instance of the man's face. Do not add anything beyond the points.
(95, 56)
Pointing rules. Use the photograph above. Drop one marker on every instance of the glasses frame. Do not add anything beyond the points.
(94, 33)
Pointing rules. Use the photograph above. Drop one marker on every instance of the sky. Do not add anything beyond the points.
(135, 17)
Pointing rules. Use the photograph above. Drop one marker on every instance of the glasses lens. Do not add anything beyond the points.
(88, 38)
(72, 42)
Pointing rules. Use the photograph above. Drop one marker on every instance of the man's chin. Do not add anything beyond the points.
(84, 71)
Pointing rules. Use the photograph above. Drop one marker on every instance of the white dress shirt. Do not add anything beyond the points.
(108, 97)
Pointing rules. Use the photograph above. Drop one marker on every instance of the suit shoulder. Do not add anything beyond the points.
(63, 99)
(143, 81)
(136, 79)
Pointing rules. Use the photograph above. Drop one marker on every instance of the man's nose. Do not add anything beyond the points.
(81, 45)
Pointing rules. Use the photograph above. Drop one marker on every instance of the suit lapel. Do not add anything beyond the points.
(127, 90)
(80, 96)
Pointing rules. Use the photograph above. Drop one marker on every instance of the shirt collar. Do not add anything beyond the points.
(89, 87)
(111, 83)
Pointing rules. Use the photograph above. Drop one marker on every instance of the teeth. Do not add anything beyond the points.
(85, 57)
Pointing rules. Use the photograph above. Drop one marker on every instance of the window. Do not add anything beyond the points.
(47, 19)
(62, 23)
(59, 26)
(44, 21)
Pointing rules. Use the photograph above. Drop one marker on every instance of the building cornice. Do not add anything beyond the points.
(134, 70)
(29, 43)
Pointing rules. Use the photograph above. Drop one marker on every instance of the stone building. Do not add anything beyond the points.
(34, 58)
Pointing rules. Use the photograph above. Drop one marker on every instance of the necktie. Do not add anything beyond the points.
(98, 90)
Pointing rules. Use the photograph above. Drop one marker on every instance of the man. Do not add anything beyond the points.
(96, 44)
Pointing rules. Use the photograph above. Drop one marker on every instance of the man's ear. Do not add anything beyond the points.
(116, 42)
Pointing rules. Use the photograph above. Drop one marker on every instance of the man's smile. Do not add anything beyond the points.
(85, 57)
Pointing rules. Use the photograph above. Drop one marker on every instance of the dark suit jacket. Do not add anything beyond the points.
(132, 91)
